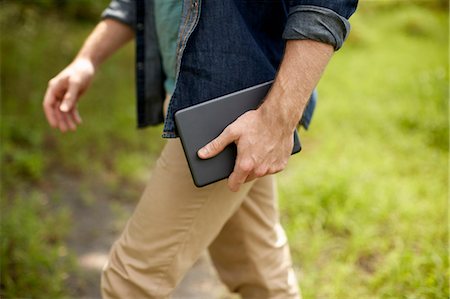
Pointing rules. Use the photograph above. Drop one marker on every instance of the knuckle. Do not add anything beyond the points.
(277, 168)
(283, 164)
(47, 103)
(231, 131)
(261, 171)
(75, 80)
(246, 165)
(273, 170)
(52, 82)
(69, 96)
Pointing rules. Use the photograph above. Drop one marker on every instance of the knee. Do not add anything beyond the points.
(125, 277)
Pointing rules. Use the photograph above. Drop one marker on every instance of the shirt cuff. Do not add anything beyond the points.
(123, 11)
(316, 23)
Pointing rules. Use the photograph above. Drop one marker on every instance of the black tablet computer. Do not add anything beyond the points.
(199, 124)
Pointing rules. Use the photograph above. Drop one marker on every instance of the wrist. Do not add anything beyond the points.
(86, 64)
(86, 61)
(276, 115)
(283, 107)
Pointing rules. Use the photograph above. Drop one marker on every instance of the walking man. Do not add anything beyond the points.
(190, 51)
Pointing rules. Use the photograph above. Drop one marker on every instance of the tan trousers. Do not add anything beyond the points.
(175, 222)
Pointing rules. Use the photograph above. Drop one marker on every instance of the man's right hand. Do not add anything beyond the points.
(63, 93)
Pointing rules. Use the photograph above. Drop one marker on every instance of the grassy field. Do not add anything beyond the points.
(364, 204)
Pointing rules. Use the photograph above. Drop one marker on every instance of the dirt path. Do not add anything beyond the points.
(96, 223)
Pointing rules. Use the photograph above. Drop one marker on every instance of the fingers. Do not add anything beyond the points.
(49, 104)
(242, 169)
(258, 172)
(60, 120)
(246, 170)
(76, 116)
(259, 150)
(68, 103)
(71, 96)
(69, 121)
(217, 145)
(62, 113)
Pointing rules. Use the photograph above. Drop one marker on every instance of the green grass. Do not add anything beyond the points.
(34, 258)
(364, 204)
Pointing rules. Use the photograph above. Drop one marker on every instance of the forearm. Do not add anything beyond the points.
(261, 149)
(65, 89)
(303, 64)
(107, 37)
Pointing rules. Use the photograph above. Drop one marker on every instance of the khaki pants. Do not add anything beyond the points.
(175, 222)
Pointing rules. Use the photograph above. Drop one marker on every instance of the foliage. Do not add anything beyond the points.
(86, 10)
(34, 261)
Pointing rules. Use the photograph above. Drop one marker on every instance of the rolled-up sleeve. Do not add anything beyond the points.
(121, 10)
(324, 21)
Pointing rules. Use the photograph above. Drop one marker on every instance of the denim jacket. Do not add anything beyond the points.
(245, 44)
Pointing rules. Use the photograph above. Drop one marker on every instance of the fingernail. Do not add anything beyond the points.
(64, 107)
(203, 151)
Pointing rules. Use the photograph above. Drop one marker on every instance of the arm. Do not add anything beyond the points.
(264, 136)
(314, 29)
(65, 89)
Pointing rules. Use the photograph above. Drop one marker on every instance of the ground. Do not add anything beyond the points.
(91, 246)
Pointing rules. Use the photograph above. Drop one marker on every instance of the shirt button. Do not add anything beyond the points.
(140, 66)
(140, 26)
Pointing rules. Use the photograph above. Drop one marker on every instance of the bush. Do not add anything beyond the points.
(35, 262)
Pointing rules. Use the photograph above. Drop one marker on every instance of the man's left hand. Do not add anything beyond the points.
(263, 147)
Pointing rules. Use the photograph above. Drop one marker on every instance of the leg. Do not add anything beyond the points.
(251, 253)
(171, 226)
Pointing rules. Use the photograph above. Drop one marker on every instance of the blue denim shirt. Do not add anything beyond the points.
(224, 46)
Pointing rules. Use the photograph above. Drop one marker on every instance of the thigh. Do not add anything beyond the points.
(172, 224)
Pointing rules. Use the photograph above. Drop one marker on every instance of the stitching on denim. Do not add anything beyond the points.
(169, 130)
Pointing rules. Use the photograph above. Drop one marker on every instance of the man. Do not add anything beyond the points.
(200, 51)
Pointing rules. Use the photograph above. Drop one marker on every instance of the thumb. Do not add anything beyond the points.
(70, 97)
(217, 145)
